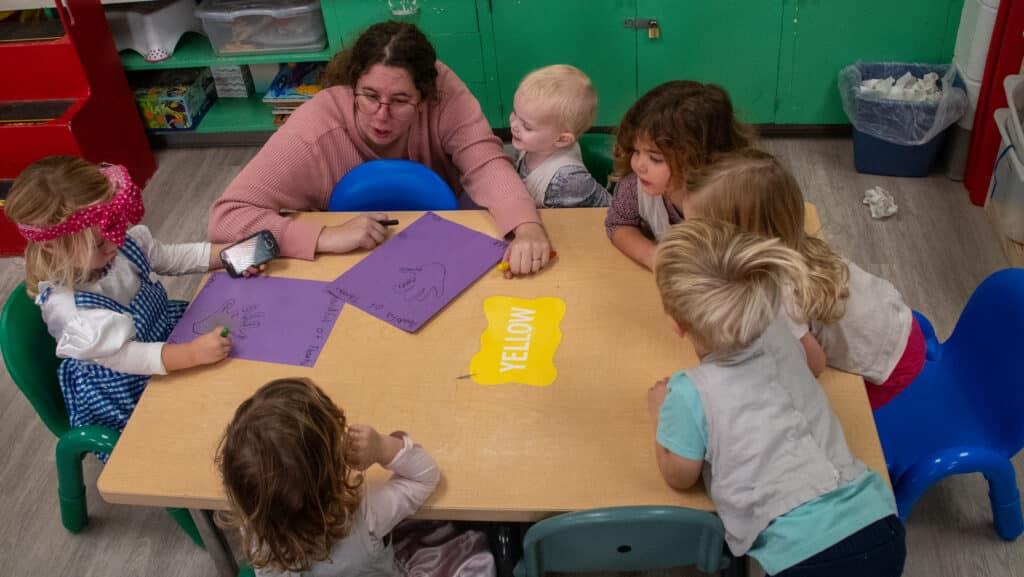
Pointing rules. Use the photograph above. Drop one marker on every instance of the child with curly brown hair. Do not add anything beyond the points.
(292, 473)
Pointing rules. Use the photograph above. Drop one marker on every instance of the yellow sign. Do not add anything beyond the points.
(520, 341)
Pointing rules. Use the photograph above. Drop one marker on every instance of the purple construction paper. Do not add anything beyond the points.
(271, 319)
(413, 275)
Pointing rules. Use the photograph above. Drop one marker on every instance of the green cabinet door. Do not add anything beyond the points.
(820, 37)
(588, 34)
(732, 43)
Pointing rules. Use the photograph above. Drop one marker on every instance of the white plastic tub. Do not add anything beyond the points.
(263, 26)
(977, 19)
(1006, 189)
(1014, 86)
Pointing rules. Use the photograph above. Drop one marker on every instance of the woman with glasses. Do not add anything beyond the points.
(387, 97)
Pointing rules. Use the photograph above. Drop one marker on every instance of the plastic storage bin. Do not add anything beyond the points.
(263, 26)
(1014, 86)
(1006, 189)
(977, 21)
(873, 155)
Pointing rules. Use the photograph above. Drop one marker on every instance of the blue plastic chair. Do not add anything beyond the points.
(624, 539)
(391, 185)
(965, 412)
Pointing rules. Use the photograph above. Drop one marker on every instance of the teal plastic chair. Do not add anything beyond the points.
(624, 539)
(29, 354)
(597, 156)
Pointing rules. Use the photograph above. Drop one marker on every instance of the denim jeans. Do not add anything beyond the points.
(878, 550)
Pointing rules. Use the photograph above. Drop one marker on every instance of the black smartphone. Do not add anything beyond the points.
(250, 251)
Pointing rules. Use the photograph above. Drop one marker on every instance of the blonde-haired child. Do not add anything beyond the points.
(90, 274)
(752, 419)
(551, 108)
(674, 128)
(851, 319)
(291, 469)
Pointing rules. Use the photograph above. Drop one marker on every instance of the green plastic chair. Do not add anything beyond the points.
(29, 354)
(596, 149)
(624, 539)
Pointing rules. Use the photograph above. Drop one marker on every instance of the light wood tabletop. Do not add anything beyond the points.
(507, 452)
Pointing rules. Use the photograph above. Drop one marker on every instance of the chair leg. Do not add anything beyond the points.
(71, 447)
(71, 491)
(184, 520)
(1005, 500)
(1003, 494)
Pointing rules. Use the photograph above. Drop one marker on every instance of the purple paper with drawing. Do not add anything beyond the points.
(412, 276)
(277, 320)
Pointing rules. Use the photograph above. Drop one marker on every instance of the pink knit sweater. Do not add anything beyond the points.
(300, 164)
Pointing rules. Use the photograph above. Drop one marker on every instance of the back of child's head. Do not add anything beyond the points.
(291, 492)
(564, 96)
(46, 193)
(723, 286)
(753, 190)
(689, 123)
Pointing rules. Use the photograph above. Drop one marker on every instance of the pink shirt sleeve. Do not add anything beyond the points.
(287, 173)
(415, 477)
(487, 174)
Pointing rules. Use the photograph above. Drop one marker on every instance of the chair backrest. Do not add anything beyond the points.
(986, 353)
(597, 155)
(391, 184)
(624, 539)
(29, 354)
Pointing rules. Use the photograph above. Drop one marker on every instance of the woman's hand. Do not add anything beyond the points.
(363, 231)
(529, 251)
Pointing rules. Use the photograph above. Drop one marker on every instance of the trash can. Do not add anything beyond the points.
(1006, 189)
(898, 137)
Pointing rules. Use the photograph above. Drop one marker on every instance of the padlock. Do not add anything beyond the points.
(653, 30)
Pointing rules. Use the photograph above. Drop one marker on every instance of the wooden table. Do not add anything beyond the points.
(507, 452)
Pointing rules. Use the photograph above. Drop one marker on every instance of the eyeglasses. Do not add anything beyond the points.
(369, 104)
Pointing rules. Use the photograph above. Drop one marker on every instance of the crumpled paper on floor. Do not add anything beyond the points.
(880, 202)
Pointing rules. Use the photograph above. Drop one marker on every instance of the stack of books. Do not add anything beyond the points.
(295, 83)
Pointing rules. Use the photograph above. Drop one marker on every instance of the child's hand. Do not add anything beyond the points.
(656, 396)
(364, 446)
(363, 231)
(210, 348)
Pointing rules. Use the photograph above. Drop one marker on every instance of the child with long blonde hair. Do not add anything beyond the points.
(291, 466)
(89, 271)
(753, 421)
(676, 127)
(851, 320)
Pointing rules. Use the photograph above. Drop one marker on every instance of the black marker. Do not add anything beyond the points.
(389, 222)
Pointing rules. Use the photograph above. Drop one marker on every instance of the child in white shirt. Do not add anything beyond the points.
(90, 274)
(291, 468)
(552, 107)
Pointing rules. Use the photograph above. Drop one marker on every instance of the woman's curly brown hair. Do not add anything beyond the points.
(282, 460)
(390, 43)
(689, 122)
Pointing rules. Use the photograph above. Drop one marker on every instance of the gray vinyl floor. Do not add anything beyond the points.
(935, 250)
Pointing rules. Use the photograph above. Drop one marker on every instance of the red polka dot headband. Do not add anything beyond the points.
(111, 218)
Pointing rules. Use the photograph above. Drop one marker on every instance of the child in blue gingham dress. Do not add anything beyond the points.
(91, 276)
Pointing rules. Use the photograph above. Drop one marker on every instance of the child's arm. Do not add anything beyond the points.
(635, 245)
(173, 259)
(206, 349)
(679, 429)
(415, 477)
(678, 472)
(815, 354)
